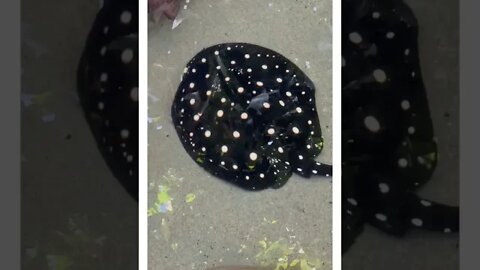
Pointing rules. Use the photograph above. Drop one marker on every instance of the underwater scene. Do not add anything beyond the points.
(239, 134)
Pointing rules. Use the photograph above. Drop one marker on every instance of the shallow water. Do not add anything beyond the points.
(205, 221)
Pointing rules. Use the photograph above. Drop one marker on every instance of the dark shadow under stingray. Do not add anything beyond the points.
(247, 115)
(107, 82)
(388, 145)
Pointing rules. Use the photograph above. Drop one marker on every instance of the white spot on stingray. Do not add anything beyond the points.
(249, 70)
(371, 123)
(384, 188)
(260, 84)
(219, 113)
(355, 37)
(224, 148)
(253, 156)
(236, 134)
(208, 133)
(417, 222)
(271, 131)
(264, 67)
(279, 80)
(134, 94)
(204, 60)
(381, 217)
(405, 105)
(295, 130)
(244, 116)
(126, 17)
(299, 110)
(192, 101)
(227, 79)
(390, 35)
(266, 105)
(379, 75)
(127, 56)
(124, 133)
(426, 203)
(280, 149)
(103, 77)
(192, 85)
(352, 201)
(216, 52)
(240, 89)
(402, 162)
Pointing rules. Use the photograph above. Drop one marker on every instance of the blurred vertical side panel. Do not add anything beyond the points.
(400, 110)
(79, 140)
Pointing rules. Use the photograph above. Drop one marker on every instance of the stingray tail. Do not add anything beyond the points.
(321, 169)
(433, 216)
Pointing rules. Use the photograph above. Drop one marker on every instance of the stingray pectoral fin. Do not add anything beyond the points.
(282, 172)
(432, 216)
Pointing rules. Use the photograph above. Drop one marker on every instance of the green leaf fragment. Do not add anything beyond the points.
(163, 196)
(190, 198)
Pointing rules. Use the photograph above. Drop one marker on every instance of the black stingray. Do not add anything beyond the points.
(388, 146)
(108, 88)
(247, 115)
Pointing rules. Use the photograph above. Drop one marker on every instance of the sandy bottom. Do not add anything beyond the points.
(210, 222)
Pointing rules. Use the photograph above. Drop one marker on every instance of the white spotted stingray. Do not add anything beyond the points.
(388, 145)
(108, 88)
(247, 115)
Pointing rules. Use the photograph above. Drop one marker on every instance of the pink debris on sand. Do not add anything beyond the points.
(163, 8)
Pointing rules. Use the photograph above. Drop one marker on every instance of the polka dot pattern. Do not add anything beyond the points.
(258, 116)
(108, 88)
(388, 146)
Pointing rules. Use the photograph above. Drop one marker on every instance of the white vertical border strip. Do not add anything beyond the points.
(143, 137)
(337, 134)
